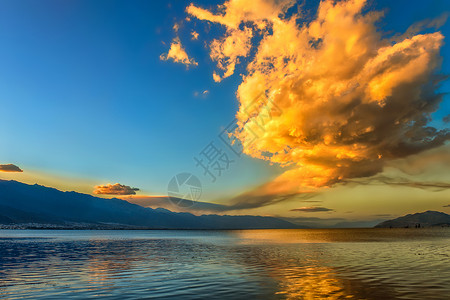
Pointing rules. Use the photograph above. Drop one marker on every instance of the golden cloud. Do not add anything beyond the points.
(341, 100)
(178, 54)
(10, 168)
(115, 189)
(194, 35)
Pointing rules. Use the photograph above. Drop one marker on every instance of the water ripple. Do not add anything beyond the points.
(263, 264)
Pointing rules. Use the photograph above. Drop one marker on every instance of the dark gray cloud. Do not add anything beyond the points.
(10, 168)
(448, 205)
(176, 204)
(115, 189)
(240, 202)
(254, 199)
(312, 209)
(436, 160)
(420, 26)
(385, 180)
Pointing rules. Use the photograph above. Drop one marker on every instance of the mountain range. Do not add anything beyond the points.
(39, 206)
(424, 219)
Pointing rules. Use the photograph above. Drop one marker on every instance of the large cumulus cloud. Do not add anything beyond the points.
(342, 100)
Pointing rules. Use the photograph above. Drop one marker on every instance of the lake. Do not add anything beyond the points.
(239, 264)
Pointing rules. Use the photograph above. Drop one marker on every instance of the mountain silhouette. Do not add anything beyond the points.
(424, 219)
(24, 204)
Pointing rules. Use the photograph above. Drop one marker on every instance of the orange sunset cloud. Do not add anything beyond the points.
(338, 100)
(178, 54)
(115, 189)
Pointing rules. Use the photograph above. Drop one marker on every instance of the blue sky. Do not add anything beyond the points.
(84, 93)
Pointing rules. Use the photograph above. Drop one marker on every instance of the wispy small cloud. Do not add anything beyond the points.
(312, 209)
(259, 197)
(115, 189)
(176, 27)
(448, 205)
(10, 168)
(194, 35)
(203, 94)
(178, 54)
(216, 77)
(417, 27)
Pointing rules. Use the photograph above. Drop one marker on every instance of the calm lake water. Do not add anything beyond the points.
(247, 264)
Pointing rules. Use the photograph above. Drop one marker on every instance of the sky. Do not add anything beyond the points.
(340, 108)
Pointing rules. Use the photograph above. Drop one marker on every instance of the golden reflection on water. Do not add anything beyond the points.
(316, 283)
(312, 282)
(284, 236)
(300, 277)
(294, 236)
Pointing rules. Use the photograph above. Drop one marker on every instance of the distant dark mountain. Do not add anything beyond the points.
(22, 203)
(424, 219)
